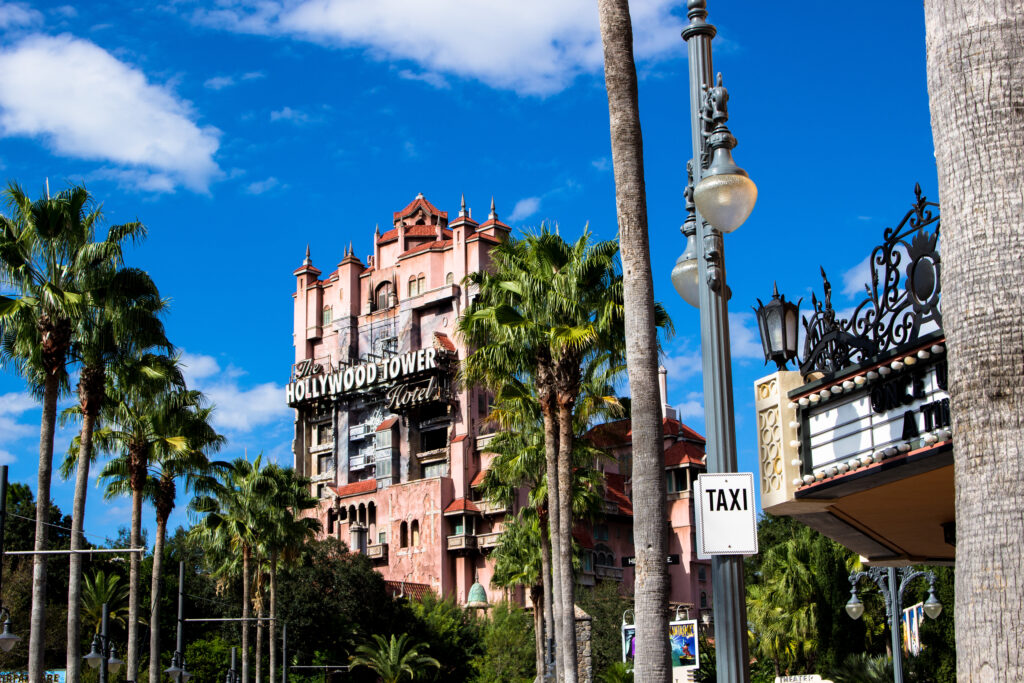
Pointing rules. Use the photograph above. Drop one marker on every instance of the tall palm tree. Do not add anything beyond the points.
(286, 534)
(394, 660)
(230, 522)
(189, 418)
(143, 395)
(651, 576)
(47, 253)
(101, 588)
(974, 84)
(120, 319)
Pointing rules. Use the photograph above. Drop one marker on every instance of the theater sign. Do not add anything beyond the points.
(857, 442)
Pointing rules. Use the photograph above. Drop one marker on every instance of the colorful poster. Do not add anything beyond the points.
(683, 636)
(58, 676)
(912, 618)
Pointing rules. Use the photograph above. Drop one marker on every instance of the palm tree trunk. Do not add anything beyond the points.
(545, 568)
(259, 647)
(649, 514)
(134, 583)
(565, 524)
(246, 611)
(74, 641)
(154, 600)
(974, 84)
(551, 461)
(37, 628)
(537, 598)
(273, 616)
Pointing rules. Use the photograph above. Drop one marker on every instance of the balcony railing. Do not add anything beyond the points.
(378, 551)
(360, 460)
(434, 455)
(490, 508)
(462, 542)
(603, 572)
(359, 431)
(489, 540)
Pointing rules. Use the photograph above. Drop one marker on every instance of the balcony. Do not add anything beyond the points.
(360, 460)
(360, 431)
(462, 542)
(435, 455)
(490, 508)
(586, 578)
(378, 551)
(603, 572)
(489, 540)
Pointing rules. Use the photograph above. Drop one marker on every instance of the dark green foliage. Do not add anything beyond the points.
(708, 672)
(507, 649)
(453, 634)
(863, 668)
(618, 672)
(209, 658)
(606, 606)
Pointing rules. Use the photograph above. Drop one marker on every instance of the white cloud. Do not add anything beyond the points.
(601, 164)
(429, 77)
(261, 186)
(14, 14)
(534, 47)
(86, 104)
(682, 365)
(289, 114)
(239, 409)
(253, 75)
(66, 11)
(6, 457)
(744, 339)
(219, 82)
(855, 278)
(16, 403)
(525, 208)
(692, 408)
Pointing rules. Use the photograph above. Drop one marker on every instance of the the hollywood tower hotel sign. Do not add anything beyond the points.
(388, 438)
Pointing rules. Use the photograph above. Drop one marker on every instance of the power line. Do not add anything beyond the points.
(55, 526)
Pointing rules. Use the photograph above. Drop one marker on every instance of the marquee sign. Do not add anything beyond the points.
(311, 380)
(888, 414)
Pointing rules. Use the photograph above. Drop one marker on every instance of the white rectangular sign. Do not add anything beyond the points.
(726, 515)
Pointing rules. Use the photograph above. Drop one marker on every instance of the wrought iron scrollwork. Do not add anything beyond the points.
(904, 296)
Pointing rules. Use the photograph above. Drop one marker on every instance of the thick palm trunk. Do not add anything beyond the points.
(246, 611)
(154, 600)
(537, 598)
(651, 585)
(545, 568)
(74, 659)
(37, 628)
(134, 584)
(273, 616)
(551, 461)
(975, 80)
(565, 524)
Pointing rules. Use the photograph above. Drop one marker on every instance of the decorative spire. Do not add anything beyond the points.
(376, 231)
(307, 261)
(419, 195)
(493, 215)
(462, 208)
(351, 251)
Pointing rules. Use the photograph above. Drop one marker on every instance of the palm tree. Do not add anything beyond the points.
(974, 84)
(104, 589)
(393, 660)
(188, 418)
(47, 254)
(286, 534)
(231, 521)
(144, 393)
(651, 583)
(120, 319)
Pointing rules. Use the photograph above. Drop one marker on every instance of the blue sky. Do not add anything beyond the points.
(240, 130)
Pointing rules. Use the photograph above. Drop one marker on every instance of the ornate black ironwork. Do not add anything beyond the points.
(901, 299)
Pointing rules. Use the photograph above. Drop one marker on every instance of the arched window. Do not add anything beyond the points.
(330, 521)
(703, 600)
(415, 532)
(421, 284)
(383, 295)
(414, 287)
(449, 279)
(403, 535)
(328, 315)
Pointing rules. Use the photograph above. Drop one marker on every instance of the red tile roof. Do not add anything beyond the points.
(479, 478)
(388, 236)
(610, 434)
(459, 438)
(416, 591)
(583, 537)
(355, 488)
(676, 428)
(386, 424)
(441, 339)
(615, 491)
(481, 236)
(683, 453)
(436, 244)
(460, 505)
(420, 201)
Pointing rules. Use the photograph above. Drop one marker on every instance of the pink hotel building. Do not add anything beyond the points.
(395, 449)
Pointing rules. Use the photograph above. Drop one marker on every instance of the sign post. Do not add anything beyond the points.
(726, 514)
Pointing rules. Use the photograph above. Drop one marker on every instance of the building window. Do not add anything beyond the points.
(330, 521)
(383, 296)
(328, 315)
(319, 490)
(414, 532)
(702, 574)
(414, 287)
(421, 284)
(403, 535)
(600, 532)
(588, 562)
(703, 600)
(433, 439)
(449, 279)
(677, 481)
(323, 433)
(435, 469)
(382, 537)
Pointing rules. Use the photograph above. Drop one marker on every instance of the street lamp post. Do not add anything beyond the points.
(233, 676)
(177, 667)
(719, 200)
(103, 654)
(885, 579)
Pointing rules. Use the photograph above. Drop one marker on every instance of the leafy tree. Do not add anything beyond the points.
(451, 632)
(606, 606)
(618, 672)
(394, 660)
(506, 647)
(101, 588)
